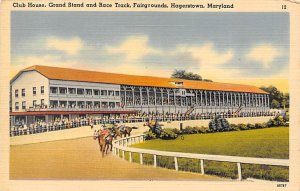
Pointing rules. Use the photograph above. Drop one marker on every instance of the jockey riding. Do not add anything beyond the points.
(104, 132)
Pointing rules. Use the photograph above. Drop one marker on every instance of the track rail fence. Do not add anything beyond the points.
(46, 127)
(121, 146)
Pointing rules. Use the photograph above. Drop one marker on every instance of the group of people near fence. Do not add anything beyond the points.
(41, 126)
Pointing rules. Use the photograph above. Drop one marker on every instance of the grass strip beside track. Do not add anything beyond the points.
(260, 143)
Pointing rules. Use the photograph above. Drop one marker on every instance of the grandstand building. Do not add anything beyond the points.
(43, 92)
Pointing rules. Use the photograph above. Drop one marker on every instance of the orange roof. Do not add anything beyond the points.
(56, 73)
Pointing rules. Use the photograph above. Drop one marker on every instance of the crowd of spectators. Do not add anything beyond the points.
(40, 126)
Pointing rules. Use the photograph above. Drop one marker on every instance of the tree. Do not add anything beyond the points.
(285, 101)
(218, 124)
(277, 99)
(182, 74)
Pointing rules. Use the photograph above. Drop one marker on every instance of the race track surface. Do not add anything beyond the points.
(80, 159)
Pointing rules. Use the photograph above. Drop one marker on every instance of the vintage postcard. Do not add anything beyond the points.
(140, 95)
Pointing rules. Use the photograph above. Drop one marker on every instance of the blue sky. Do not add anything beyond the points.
(225, 47)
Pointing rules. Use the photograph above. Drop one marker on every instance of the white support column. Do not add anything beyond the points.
(210, 98)
(168, 92)
(235, 100)
(215, 99)
(174, 96)
(147, 90)
(249, 97)
(133, 98)
(162, 96)
(141, 96)
(239, 171)
(123, 155)
(176, 163)
(256, 100)
(201, 98)
(246, 99)
(205, 93)
(242, 96)
(219, 98)
(196, 96)
(227, 100)
(223, 102)
(154, 90)
(202, 166)
(231, 100)
(266, 103)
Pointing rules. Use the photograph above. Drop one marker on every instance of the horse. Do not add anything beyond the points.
(154, 127)
(124, 130)
(104, 143)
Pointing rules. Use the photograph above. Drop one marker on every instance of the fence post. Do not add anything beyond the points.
(239, 171)
(130, 157)
(202, 166)
(123, 154)
(141, 158)
(142, 138)
(154, 161)
(176, 163)
(118, 152)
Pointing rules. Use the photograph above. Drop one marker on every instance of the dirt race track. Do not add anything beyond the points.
(80, 159)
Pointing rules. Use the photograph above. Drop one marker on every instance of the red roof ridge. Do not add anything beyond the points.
(60, 73)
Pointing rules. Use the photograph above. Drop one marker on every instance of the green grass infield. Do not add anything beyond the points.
(260, 143)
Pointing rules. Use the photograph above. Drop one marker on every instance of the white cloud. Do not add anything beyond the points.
(134, 48)
(206, 55)
(210, 61)
(69, 46)
(264, 54)
(22, 62)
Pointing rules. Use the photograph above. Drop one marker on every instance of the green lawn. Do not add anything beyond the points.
(266, 143)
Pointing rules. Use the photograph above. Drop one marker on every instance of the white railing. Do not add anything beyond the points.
(122, 144)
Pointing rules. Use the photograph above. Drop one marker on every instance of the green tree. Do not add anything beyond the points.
(277, 98)
(218, 124)
(285, 101)
(182, 74)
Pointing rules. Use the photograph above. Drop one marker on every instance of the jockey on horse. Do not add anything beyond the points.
(105, 132)
(154, 126)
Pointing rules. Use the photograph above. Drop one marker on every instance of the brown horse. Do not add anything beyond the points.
(123, 130)
(105, 142)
